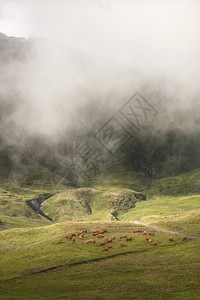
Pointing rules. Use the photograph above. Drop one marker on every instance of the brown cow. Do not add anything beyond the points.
(104, 249)
(171, 239)
(101, 244)
(113, 238)
(87, 242)
(99, 236)
(123, 236)
(59, 241)
(80, 237)
(150, 233)
(154, 243)
(128, 239)
(147, 238)
(144, 233)
(92, 241)
(109, 246)
(109, 241)
(121, 244)
(73, 240)
(184, 237)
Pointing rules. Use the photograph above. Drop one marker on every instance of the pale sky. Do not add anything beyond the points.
(148, 34)
(160, 37)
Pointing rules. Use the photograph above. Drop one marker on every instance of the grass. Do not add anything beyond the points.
(17, 261)
(15, 213)
(91, 204)
(187, 222)
(163, 206)
(169, 270)
(136, 271)
(182, 184)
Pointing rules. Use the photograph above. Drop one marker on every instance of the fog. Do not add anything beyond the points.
(92, 56)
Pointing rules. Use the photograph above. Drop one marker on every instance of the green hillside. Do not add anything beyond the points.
(88, 161)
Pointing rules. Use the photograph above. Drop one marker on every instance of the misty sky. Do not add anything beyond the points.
(146, 34)
(160, 38)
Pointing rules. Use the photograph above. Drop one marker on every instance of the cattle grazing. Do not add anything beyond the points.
(144, 233)
(92, 241)
(109, 246)
(113, 238)
(87, 242)
(184, 238)
(99, 236)
(101, 244)
(123, 236)
(154, 243)
(80, 237)
(109, 241)
(73, 240)
(150, 233)
(104, 249)
(121, 244)
(171, 239)
(137, 231)
(59, 241)
(128, 239)
(147, 238)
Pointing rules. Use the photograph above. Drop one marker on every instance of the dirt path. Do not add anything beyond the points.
(32, 244)
(165, 230)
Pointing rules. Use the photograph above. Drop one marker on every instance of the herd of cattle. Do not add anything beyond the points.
(107, 242)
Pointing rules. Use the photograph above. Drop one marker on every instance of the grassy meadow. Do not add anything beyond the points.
(35, 265)
(137, 270)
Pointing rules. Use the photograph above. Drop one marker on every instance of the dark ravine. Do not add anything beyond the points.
(36, 203)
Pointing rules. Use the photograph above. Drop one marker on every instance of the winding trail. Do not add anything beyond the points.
(32, 244)
(165, 230)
